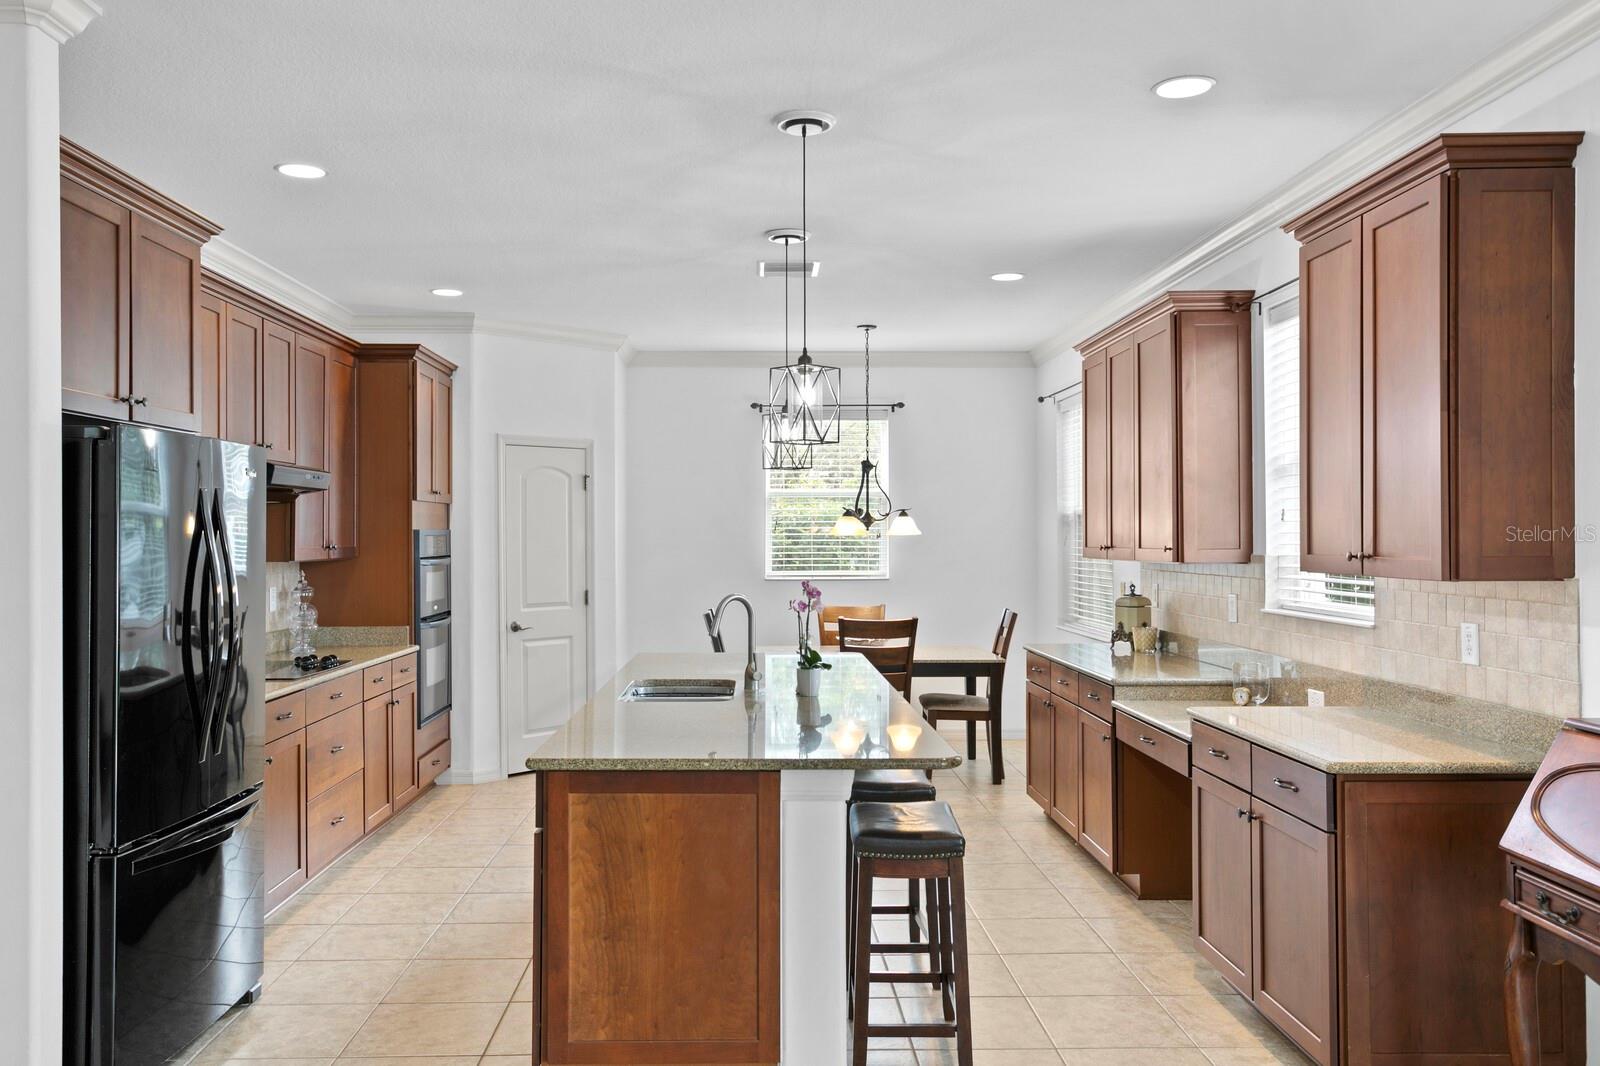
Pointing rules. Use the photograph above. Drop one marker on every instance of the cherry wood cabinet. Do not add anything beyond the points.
(378, 739)
(403, 783)
(1221, 857)
(1167, 431)
(1066, 767)
(213, 340)
(1039, 745)
(343, 488)
(1437, 362)
(241, 375)
(1292, 928)
(283, 801)
(311, 358)
(278, 390)
(130, 297)
(431, 466)
(1097, 822)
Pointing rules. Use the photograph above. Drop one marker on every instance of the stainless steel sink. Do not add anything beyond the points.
(679, 690)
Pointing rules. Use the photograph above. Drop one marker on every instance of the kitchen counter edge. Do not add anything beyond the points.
(360, 656)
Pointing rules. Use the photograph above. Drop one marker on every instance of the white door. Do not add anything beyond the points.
(544, 568)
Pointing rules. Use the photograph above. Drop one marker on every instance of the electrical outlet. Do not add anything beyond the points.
(1315, 698)
(1469, 643)
(272, 597)
(1233, 606)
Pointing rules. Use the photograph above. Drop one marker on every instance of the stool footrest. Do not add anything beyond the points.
(915, 977)
(900, 949)
(913, 1029)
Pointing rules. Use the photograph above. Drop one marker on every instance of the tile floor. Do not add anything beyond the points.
(413, 951)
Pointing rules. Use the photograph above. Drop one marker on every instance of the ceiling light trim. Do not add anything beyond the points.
(60, 20)
(1530, 55)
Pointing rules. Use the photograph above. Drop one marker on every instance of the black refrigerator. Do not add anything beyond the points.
(164, 558)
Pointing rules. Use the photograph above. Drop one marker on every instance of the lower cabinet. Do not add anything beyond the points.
(1097, 825)
(1221, 883)
(403, 787)
(1066, 770)
(333, 822)
(283, 801)
(378, 736)
(1292, 928)
(1072, 769)
(1039, 745)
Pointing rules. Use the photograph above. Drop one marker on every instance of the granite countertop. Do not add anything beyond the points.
(856, 721)
(361, 656)
(1370, 740)
(1169, 715)
(1137, 668)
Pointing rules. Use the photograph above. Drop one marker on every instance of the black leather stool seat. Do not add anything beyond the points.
(891, 786)
(905, 831)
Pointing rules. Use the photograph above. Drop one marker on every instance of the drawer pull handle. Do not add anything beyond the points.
(1217, 752)
(336, 695)
(1288, 786)
(434, 763)
(1146, 740)
(1094, 696)
(378, 678)
(404, 670)
(284, 717)
(337, 820)
(336, 749)
(1569, 917)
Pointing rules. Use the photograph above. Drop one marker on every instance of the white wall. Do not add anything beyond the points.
(960, 456)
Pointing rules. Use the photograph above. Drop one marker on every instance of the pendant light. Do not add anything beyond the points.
(806, 387)
(779, 449)
(859, 518)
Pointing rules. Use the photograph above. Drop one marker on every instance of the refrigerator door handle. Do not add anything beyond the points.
(230, 629)
(194, 572)
(215, 830)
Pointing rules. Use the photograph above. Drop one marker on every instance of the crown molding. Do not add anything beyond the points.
(749, 359)
(411, 324)
(1529, 55)
(60, 20)
(568, 335)
(221, 256)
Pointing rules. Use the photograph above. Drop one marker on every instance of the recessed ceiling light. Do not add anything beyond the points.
(307, 171)
(445, 292)
(1184, 86)
(1009, 275)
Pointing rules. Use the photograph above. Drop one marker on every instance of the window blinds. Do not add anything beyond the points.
(802, 506)
(1088, 594)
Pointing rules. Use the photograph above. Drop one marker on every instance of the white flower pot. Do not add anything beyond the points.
(807, 681)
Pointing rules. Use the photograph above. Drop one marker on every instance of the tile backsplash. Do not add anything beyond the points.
(283, 577)
(1528, 631)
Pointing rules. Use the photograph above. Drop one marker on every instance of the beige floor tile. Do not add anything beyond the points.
(470, 834)
(500, 816)
(342, 879)
(1073, 974)
(515, 1033)
(271, 971)
(997, 1023)
(505, 940)
(888, 1057)
(983, 850)
(1004, 876)
(524, 993)
(457, 981)
(1035, 936)
(1286, 1055)
(412, 908)
(276, 1062)
(1171, 1056)
(483, 907)
(1113, 901)
(1108, 1022)
(1146, 933)
(429, 853)
(350, 942)
(1176, 973)
(1018, 903)
(390, 1060)
(323, 908)
(311, 981)
(1221, 1021)
(1079, 871)
(285, 943)
(989, 1057)
(419, 879)
(427, 1029)
(513, 855)
(265, 1031)
(887, 1012)
(504, 879)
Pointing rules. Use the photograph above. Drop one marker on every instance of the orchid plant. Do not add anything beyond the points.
(810, 600)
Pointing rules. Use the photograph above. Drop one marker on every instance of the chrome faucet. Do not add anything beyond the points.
(713, 618)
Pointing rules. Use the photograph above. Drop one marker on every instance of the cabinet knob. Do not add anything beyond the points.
(269, 446)
(1168, 548)
(123, 399)
(141, 401)
(1351, 557)
(1105, 737)
(269, 760)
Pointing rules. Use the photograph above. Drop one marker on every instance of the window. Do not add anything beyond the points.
(1291, 590)
(1088, 594)
(802, 506)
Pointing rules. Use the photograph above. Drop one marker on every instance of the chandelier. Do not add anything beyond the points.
(780, 450)
(859, 518)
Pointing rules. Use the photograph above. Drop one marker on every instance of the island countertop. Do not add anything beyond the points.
(856, 721)
(1137, 668)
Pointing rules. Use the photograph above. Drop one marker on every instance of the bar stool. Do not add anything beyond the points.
(912, 840)
(891, 786)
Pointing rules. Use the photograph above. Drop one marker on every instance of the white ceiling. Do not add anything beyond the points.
(609, 164)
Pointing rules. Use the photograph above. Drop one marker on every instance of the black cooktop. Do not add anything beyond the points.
(301, 666)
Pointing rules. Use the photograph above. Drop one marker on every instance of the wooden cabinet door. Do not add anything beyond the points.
(310, 403)
(1096, 823)
(1221, 880)
(1330, 401)
(164, 326)
(213, 332)
(1122, 401)
(1066, 768)
(1096, 456)
(283, 808)
(1039, 746)
(1216, 523)
(241, 376)
(1293, 928)
(441, 438)
(278, 393)
(1404, 274)
(341, 436)
(422, 462)
(1156, 422)
(95, 234)
(403, 787)
(377, 743)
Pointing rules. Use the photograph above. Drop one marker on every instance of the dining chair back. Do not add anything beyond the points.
(1002, 635)
(828, 620)
(888, 644)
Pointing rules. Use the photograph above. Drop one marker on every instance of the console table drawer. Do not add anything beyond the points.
(1160, 745)
(1292, 787)
(1571, 913)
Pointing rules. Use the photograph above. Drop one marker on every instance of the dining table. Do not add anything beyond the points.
(971, 662)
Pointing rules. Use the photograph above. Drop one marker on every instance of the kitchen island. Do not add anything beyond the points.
(690, 877)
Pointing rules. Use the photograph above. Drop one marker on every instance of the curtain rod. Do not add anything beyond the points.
(1058, 392)
(896, 406)
(1269, 292)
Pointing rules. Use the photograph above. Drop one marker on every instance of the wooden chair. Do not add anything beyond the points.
(828, 620)
(953, 706)
(889, 644)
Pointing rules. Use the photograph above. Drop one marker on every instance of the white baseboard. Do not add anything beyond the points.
(453, 776)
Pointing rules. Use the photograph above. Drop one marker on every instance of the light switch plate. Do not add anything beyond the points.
(1469, 643)
(272, 597)
(1314, 697)
(1233, 606)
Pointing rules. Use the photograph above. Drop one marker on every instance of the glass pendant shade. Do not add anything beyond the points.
(809, 391)
(902, 525)
(849, 525)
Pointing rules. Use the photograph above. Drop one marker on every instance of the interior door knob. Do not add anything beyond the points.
(517, 627)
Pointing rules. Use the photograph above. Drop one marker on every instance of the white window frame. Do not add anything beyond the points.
(1289, 590)
(880, 457)
(1102, 590)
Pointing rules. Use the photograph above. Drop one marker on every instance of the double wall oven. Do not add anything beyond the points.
(433, 623)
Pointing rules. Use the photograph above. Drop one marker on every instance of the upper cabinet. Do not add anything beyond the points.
(432, 466)
(1166, 417)
(131, 323)
(1436, 363)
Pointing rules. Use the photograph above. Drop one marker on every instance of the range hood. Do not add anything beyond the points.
(286, 482)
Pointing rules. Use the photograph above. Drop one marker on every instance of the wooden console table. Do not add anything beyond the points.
(1552, 850)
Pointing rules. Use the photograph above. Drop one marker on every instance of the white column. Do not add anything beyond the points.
(815, 1031)
(31, 34)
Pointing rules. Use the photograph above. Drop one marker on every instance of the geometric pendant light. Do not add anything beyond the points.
(780, 450)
